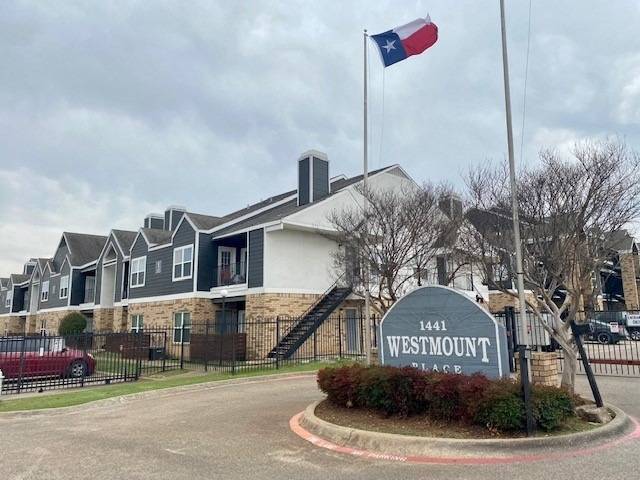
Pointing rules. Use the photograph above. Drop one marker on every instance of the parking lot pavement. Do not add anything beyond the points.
(240, 431)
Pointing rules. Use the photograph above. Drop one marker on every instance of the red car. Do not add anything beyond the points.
(43, 357)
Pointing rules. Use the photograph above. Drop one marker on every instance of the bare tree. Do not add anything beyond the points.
(400, 235)
(569, 210)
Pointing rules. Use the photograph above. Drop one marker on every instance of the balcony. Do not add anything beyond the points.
(230, 274)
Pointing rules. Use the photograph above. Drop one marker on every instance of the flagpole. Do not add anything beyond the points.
(365, 173)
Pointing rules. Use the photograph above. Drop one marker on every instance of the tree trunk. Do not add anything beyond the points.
(570, 363)
(569, 368)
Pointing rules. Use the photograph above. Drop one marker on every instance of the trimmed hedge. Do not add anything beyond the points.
(472, 399)
(72, 324)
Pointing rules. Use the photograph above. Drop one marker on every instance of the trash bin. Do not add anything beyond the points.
(156, 353)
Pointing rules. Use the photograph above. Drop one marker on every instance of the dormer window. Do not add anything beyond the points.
(9, 299)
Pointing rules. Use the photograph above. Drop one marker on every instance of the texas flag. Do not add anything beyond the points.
(410, 39)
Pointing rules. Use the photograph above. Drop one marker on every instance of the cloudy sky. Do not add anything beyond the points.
(111, 110)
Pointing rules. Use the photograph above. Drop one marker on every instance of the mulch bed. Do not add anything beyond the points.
(422, 426)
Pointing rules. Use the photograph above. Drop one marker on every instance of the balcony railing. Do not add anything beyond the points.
(231, 274)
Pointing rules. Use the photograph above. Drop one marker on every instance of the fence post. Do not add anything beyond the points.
(182, 345)
(526, 387)
(277, 341)
(21, 365)
(315, 344)
(164, 351)
(339, 335)
(233, 344)
(206, 346)
(508, 315)
(83, 336)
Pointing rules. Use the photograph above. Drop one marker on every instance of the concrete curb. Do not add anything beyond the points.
(161, 392)
(393, 444)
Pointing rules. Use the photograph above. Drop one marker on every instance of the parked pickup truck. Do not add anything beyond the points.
(629, 320)
(29, 357)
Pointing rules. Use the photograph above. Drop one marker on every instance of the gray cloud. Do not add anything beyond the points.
(109, 110)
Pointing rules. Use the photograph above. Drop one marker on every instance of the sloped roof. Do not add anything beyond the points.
(42, 262)
(156, 236)
(125, 238)
(83, 247)
(4, 282)
(621, 241)
(280, 211)
(18, 278)
(204, 222)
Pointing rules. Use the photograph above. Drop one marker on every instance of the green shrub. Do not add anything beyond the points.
(501, 407)
(551, 406)
(473, 399)
(72, 323)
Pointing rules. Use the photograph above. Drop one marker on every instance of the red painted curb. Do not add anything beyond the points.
(295, 426)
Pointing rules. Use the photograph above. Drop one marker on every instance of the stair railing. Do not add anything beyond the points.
(310, 309)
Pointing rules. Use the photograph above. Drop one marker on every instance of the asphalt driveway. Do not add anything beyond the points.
(240, 431)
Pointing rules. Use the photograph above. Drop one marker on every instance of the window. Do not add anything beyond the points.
(9, 299)
(44, 295)
(182, 262)
(181, 323)
(64, 286)
(43, 328)
(138, 267)
(137, 324)
(158, 266)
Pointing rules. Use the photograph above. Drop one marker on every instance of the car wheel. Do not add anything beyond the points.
(635, 335)
(78, 369)
(604, 338)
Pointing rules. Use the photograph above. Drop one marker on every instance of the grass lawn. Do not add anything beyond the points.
(169, 379)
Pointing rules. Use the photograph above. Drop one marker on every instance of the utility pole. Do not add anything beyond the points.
(525, 360)
(514, 187)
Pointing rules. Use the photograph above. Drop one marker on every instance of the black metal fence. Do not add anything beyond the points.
(235, 345)
(38, 363)
(612, 341)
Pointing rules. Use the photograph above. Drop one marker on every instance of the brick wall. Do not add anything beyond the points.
(629, 282)
(261, 337)
(498, 301)
(161, 313)
(544, 368)
(14, 325)
(103, 320)
(52, 320)
(268, 305)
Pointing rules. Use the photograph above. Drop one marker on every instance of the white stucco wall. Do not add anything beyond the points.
(298, 261)
(317, 216)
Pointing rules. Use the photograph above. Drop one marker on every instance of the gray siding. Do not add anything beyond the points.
(303, 181)
(54, 289)
(320, 178)
(3, 297)
(157, 284)
(255, 271)
(207, 259)
(59, 256)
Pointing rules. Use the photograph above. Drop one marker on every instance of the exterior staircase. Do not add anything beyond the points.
(309, 322)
